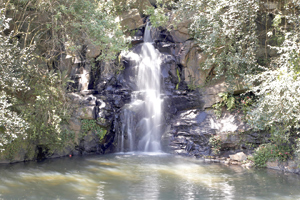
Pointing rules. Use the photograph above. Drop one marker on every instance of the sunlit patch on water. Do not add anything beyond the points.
(103, 162)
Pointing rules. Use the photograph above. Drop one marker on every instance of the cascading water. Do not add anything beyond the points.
(147, 100)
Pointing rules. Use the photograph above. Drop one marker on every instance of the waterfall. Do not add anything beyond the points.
(146, 99)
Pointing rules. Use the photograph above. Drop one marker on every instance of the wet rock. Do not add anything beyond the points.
(234, 163)
(248, 165)
(137, 40)
(87, 92)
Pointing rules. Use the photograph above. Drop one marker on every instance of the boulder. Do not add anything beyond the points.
(87, 112)
(131, 19)
(193, 74)
(66, 63)
(183, 53)
(211, 92)
(181, 32)
(74, 124)
(238, 157)
(93, 51)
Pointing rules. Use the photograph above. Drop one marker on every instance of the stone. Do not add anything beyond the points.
(88, 92)
(248, 165)
(271, 5)
(193, 74)
(234, 163)
(273, 165)
(75, 98)
(66, 63)
(183, 51)
(74, 124)
(93, 51)
(191, 57)
(238, 157)
(90, 142)
(137, 40)
(131, 19)
(183, 102)
(87, 112)
(211, 93)
(181, 32)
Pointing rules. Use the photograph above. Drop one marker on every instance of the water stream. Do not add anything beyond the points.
(141, 176)
(146, 98)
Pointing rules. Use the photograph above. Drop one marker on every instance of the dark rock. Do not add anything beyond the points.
(137, 40)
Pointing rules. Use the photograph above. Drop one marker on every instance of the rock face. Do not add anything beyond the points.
(181, 33)
(189, 132)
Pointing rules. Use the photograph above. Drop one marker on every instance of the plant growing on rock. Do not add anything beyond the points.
(91, 125)
(226, 100)
(215, 142)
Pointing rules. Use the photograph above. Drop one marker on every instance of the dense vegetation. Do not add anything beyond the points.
(235, 35)
(34, 36)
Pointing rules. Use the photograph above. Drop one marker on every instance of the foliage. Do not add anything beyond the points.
(179, 79)
(66, 27)
(226, 32)
(226, 100)
(32, 99)
(12, 125)
(240, 103)
(91, 125)
(277, 88)
(271, 152)
(158, 15)
(215, 142)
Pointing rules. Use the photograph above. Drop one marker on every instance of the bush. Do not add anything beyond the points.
(271, 152)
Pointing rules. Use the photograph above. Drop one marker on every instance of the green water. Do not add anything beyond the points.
(140, 176)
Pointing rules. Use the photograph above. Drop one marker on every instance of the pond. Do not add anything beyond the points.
(142, 176)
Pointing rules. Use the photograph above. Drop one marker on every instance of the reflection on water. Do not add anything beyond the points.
(141, 176)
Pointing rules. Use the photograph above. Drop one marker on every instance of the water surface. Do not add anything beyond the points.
(141, 176)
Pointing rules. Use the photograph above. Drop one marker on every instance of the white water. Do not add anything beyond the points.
(148, 85)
